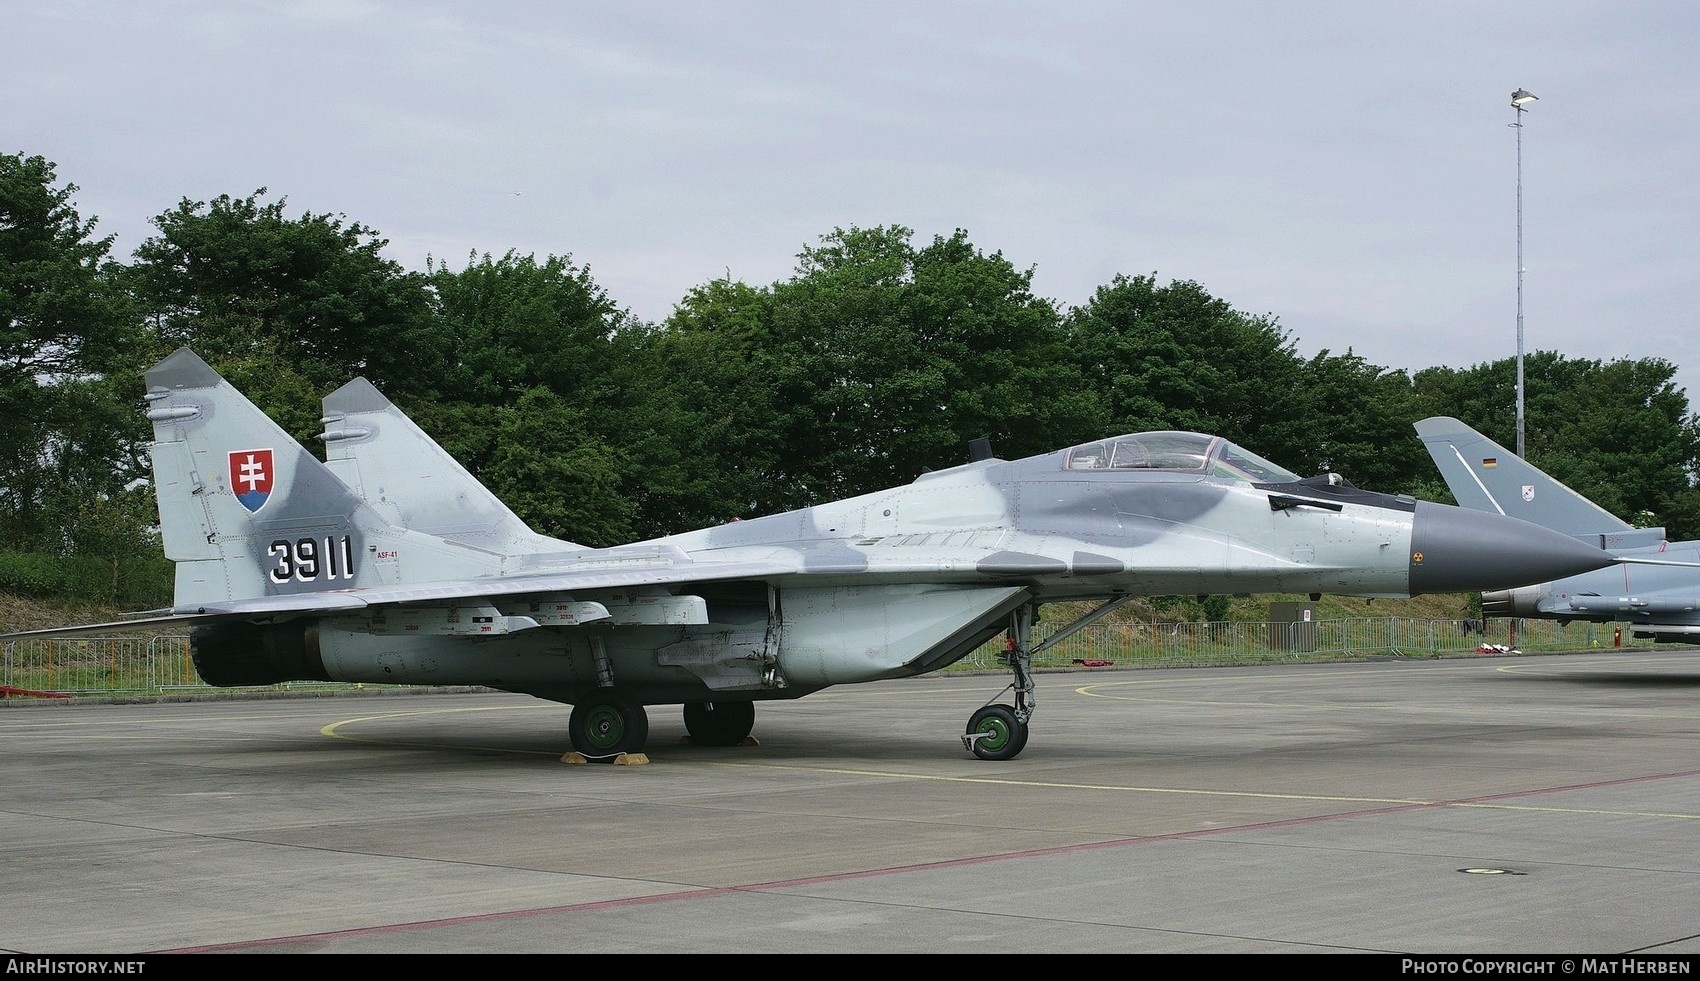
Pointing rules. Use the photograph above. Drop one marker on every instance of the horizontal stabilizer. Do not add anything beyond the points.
(1637, 560)
(110, 627)
(1633, 538)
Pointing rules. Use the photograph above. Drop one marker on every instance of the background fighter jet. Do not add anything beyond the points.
(390, 564)
(1658, 593)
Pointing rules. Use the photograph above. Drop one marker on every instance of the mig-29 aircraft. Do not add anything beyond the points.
(1657, 595)
(390, 564)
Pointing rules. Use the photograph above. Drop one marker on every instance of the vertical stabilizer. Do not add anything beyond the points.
(392, 464)
(247, 513)
(1485, 476)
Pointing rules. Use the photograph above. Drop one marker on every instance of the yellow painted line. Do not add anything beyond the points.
(1095, 691)
(273, 717)
(103, 723)
(333, 730)
(1055, 785)
(1181, 791)
(330, 730)
(1535, 667)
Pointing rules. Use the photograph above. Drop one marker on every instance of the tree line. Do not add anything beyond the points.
(879, 358)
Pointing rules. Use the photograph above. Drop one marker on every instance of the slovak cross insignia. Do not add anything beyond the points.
(251, 477)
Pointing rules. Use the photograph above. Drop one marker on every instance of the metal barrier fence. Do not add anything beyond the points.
(1239, 642)
(98, 666)
(112, 666)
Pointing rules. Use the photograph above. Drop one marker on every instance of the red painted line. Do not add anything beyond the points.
(7, 691)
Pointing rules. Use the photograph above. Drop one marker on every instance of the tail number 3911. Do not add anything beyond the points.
(311, 559)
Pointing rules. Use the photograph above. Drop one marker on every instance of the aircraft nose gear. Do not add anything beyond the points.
(999, 732)
(995, 733)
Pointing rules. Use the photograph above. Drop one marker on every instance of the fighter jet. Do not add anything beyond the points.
(1657, 593)
(390, 564)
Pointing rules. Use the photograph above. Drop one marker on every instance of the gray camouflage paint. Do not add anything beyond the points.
(896, 582)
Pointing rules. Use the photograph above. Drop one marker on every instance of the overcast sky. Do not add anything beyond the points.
(1349, 168)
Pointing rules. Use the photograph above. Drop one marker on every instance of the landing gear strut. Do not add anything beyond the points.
(997, 731)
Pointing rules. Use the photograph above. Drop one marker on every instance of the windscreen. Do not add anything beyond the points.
(1180, 452)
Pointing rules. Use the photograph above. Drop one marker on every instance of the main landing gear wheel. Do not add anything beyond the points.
(996, 733)
(719, 723)
(602, 727)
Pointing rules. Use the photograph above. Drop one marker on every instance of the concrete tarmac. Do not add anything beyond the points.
(1483, 806)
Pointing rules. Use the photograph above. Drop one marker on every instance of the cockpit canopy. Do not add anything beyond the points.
(1177, 452)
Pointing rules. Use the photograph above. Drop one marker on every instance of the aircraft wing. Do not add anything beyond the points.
(565, 580)
(539, 583)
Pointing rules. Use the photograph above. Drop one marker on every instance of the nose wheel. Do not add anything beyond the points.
(995, 733)
(998, 731)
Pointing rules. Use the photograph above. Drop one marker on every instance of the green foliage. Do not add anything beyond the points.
(1358, 424)
(504, 326)
(61, 311)
(287, 308)
(547, 468)
(533, 378)
(1174, 357)
(136, 581)
(725, 453)
(70, 440)
(1619, 433)
(877, 359)
(887, 360)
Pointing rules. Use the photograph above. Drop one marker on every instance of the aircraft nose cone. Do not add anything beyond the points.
(1454, 550)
